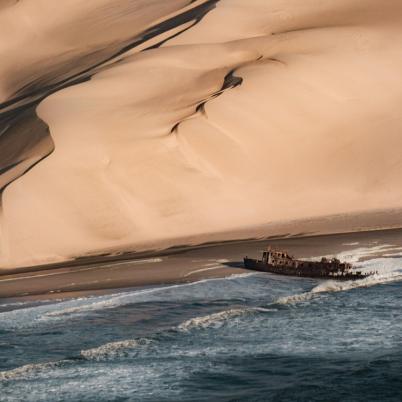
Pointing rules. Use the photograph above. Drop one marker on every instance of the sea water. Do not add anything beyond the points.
(254, 337)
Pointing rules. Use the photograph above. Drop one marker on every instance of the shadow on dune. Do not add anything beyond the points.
(25, 139)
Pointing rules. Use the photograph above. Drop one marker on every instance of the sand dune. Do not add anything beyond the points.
(178, 119)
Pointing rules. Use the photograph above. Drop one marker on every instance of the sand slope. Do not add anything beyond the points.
(256, 112)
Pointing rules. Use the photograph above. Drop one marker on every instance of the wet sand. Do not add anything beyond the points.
(186, 265)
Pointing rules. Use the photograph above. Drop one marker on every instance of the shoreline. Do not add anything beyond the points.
(59, 285)
(174, 266)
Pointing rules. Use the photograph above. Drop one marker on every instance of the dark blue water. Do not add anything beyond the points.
(252, 337)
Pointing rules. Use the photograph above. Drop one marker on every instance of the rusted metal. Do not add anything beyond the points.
(280, 262)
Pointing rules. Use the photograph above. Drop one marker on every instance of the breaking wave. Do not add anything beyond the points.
(30, 370)
(119, 349)
(107, 351)
(114, 349)
(356, 254)
(209, 320)
(122, 299)
(218, 319)
(338, 286)
(292, 299)
(45, 313)
(388, 270)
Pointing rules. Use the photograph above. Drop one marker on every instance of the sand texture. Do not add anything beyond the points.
(131, 124)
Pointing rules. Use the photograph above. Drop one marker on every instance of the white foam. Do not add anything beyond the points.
(49, 312)
(122, 299)
(210, 319)
(356, 254)
(113, 349)
(339, 286)
(217, 319)
(297, 298)
(29, 370)
(107, 351)
(388, 270)
(113, 301)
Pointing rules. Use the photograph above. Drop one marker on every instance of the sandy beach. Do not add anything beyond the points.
(180, 266)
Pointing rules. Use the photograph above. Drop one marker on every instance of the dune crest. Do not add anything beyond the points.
(179, 118)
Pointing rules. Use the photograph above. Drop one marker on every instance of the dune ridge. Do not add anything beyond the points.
(181, 119)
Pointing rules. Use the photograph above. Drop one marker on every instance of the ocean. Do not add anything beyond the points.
(248, 337)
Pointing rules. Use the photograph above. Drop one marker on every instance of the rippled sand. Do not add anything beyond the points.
(132, 124)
